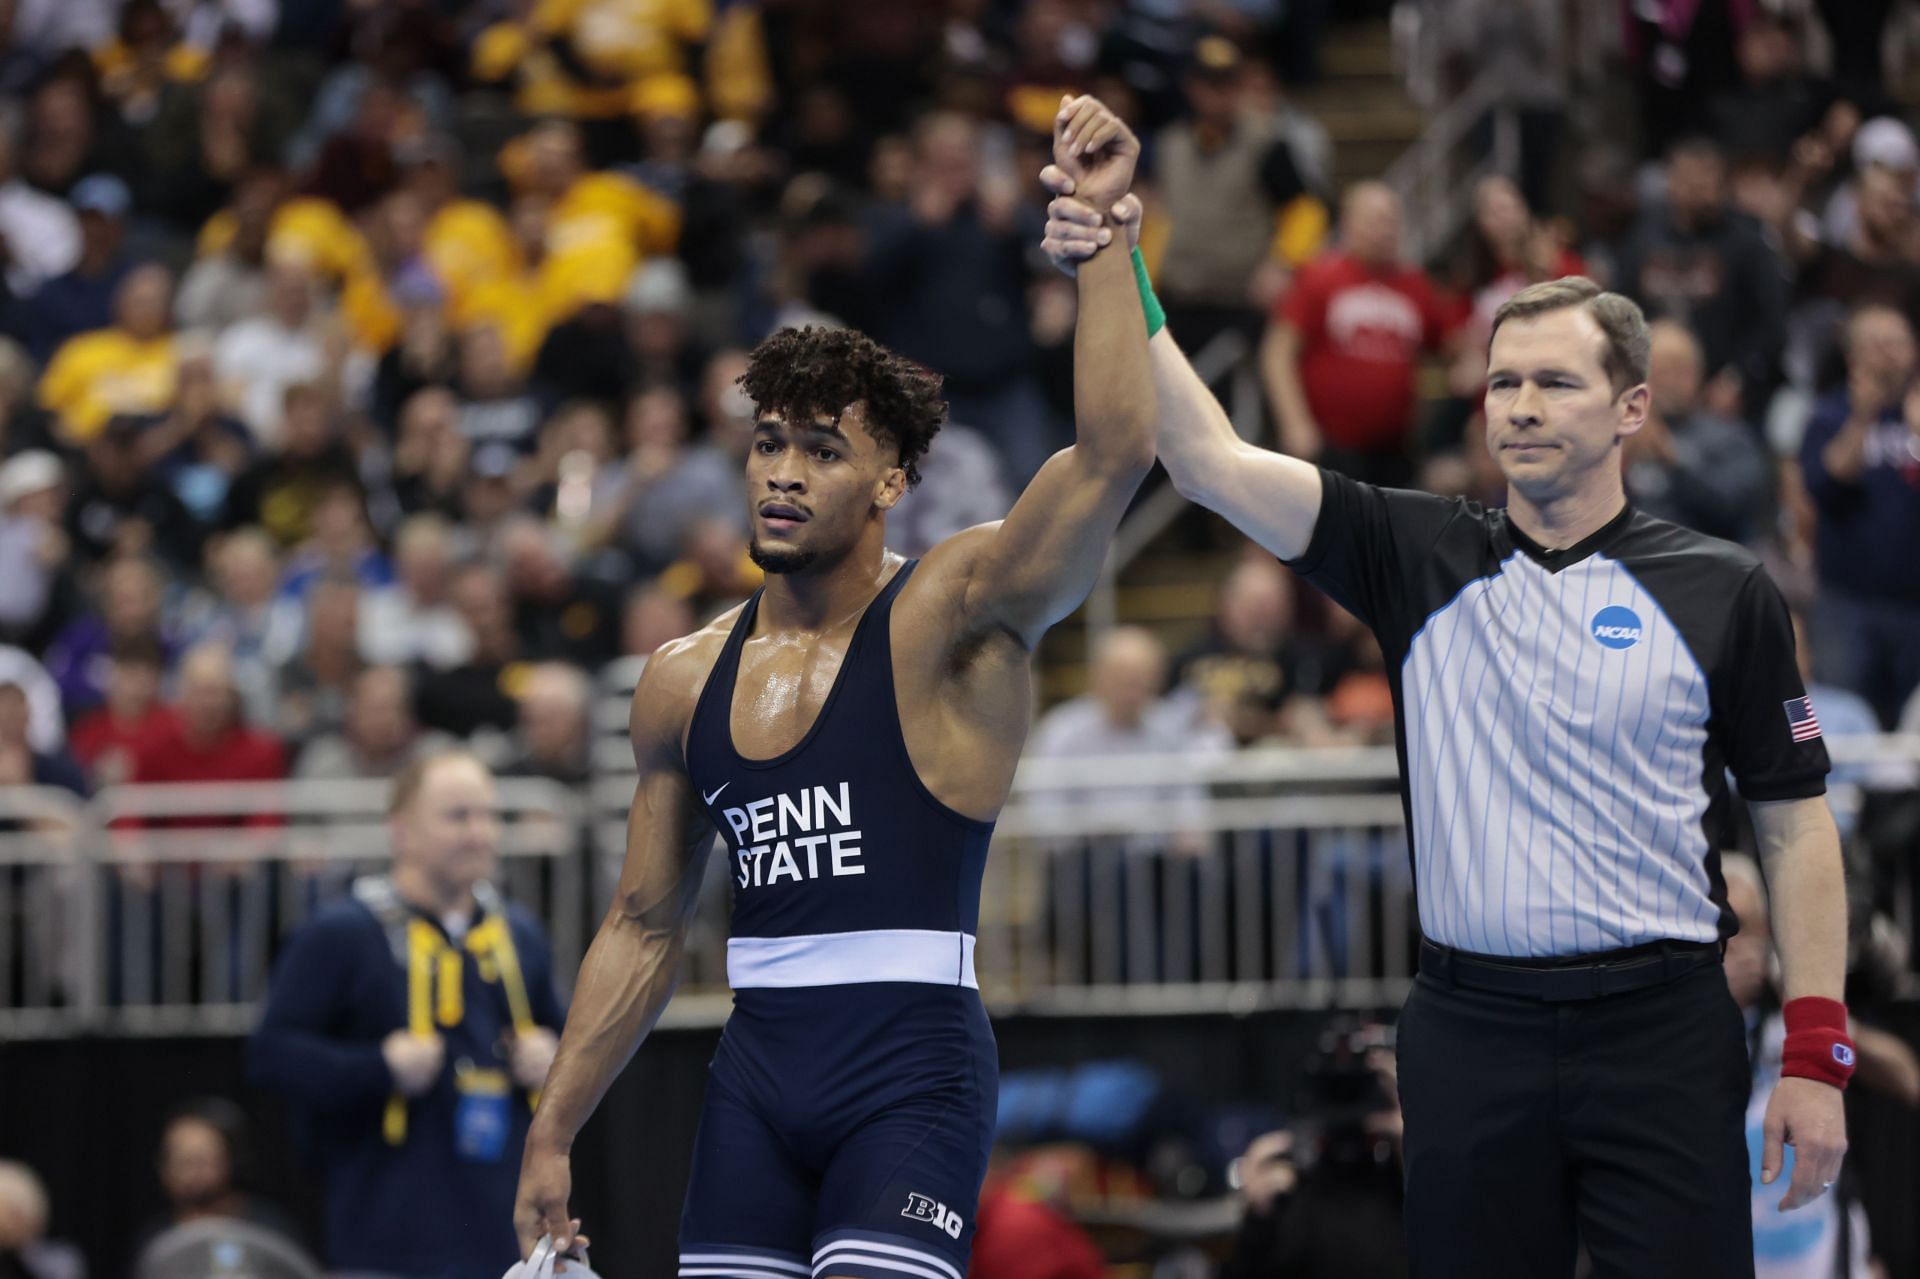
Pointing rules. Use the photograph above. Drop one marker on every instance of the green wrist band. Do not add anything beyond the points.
(1156, 318)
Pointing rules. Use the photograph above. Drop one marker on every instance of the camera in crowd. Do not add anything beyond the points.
(1348, 1107)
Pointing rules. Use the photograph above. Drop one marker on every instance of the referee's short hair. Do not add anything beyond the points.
(1622, 322)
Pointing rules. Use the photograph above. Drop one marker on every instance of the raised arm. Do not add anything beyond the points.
(629, 971)
(1272, 498)
(1038, 564)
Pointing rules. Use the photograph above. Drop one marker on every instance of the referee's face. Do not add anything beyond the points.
(1554, 424)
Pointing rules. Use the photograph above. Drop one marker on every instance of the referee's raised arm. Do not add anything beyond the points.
(1573, 680)
(1271, 497)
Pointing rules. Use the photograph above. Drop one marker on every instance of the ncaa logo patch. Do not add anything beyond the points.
(1616, 627)
(1843, 1054)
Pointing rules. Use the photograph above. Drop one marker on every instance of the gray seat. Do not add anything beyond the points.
(224, 1248)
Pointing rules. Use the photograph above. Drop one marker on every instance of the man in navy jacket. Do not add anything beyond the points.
(412, 1025)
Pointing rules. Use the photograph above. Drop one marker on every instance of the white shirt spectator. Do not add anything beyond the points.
(1125, 715)
(396, 630)
(52, 27)
(1080, 728)
(218, 292)
(46, 726)
(202, 21)
(259, 359)
(42, 233)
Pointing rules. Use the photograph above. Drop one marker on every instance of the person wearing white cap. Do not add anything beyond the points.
(32, 547)
(1882, 143)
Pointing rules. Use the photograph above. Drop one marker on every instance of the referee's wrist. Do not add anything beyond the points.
(1817, 1044)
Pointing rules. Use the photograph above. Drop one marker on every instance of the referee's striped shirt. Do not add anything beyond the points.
(1566, 719)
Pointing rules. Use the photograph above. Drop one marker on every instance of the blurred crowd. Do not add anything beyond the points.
(1761, 206)
(367, 370)
(368, 367)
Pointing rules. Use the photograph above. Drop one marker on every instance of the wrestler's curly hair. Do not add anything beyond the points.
(815, 372)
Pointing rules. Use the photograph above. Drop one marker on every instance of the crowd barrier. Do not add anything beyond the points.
(1265, 879)
(158, 910)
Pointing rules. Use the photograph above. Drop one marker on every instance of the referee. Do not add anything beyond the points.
(1573, 679)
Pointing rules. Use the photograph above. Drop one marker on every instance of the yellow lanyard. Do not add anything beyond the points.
(436, 990)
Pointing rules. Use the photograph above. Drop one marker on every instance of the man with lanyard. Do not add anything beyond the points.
(412, 1024)
(1572, 679)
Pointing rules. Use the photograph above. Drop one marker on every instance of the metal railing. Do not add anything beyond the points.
(1266, 878)
(160, 909)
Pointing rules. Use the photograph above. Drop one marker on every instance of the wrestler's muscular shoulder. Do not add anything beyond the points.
(964, 688)
(670, 687)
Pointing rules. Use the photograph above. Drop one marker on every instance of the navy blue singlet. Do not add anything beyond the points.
(850, 1106)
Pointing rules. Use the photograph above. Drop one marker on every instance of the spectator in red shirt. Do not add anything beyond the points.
(108, 741)
(1017, 1237)
(1343, 347)
(210, 742)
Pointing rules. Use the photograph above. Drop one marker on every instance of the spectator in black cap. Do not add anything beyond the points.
(1224, 173)
(82, 299)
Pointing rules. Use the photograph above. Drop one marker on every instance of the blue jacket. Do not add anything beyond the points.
(1867, 527)
(417, 1209)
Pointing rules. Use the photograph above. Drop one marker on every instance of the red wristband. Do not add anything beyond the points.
(1817, 1045)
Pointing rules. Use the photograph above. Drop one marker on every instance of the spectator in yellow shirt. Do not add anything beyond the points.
(582, 59)
(511, 301)
(587, 206)
(129, 368)
(466, 242)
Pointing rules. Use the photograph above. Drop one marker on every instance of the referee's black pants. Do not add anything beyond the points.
(1619, 1122)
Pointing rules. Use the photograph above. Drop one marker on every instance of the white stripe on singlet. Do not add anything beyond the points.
(854, 958)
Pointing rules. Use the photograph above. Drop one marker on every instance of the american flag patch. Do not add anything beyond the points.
(1801, 720)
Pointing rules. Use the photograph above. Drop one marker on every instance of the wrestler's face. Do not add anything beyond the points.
(814, 487)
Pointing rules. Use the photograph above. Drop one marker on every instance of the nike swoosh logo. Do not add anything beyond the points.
(716, 793)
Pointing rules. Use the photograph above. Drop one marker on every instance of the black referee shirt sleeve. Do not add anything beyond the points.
(1753, 698)
(1368, 550)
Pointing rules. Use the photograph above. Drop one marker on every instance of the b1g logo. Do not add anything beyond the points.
(1616, 627)
(921, 1208)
